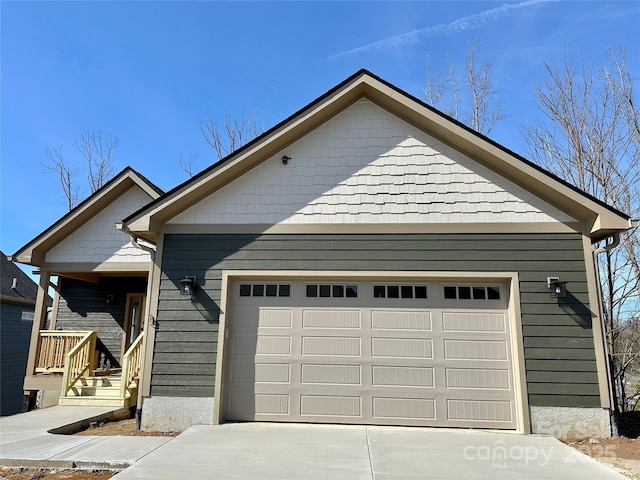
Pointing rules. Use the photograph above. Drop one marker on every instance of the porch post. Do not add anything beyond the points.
(39, 319)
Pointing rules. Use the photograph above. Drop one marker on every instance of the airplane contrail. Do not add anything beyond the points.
(460, 24)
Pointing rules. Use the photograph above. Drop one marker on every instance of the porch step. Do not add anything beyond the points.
(99, 382)
(100, 391)
(96, 401)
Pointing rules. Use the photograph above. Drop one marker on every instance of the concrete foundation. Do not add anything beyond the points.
(175, 414)
(571, 423)
(47, 398)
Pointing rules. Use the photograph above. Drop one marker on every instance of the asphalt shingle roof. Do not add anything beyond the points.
(26, 289)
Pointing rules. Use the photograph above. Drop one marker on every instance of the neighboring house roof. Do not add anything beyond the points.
(33, 253)
(600, 219)
(15, 285)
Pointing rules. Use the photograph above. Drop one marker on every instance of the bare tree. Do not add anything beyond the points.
(188, 165)
(590, 137)
(232, 133)
(96, 151)
(65, 173)
(471, 100)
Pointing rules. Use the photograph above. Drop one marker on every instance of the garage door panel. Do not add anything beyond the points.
(331, 406)
(474, 322)
(400, 320)
(317, 360)
(404, 408)
(248, 405)
(331, 374)
(262, 318)
(476, 350)
(251, 372)
(478, 378)
(333, 319)
(402, 347)
(403, 376)
(331, 346)
(262, 345)
(479, 410)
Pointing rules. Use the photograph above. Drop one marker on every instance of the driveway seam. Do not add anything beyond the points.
(366, 434)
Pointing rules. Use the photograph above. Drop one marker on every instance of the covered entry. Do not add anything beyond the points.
(425, 351)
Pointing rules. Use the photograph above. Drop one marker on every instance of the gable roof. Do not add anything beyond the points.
(600, 219)
(25, 289)
(33, 253)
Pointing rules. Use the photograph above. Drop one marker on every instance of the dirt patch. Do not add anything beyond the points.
(618, 447)
(620, 452)
(125, 427)
(54, 474)
(623, 452)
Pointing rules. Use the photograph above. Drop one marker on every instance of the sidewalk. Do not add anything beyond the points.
(26, 440)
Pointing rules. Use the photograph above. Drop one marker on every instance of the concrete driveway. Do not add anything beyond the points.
(263, 451)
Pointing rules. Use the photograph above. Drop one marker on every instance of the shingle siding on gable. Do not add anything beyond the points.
(367, 165)
(557, 337)
(98, 241)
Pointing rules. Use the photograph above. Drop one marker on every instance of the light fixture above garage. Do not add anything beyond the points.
(187, 285)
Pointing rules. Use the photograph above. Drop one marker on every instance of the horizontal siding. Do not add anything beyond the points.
(557, 334)
(83, 306)
(15, 335)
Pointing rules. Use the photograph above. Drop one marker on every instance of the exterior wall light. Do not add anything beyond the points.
(558, 289)
(285, 160)
(109, 299)
(188, 285)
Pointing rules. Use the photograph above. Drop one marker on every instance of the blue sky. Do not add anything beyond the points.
(146, 72)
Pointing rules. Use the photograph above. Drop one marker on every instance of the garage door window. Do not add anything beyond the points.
(471, 292)
(265, 290)
(400, 291)
(315, 290)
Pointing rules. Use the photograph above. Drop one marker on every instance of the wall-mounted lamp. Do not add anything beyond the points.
(558, 289)
(109, 299)
(285, 159)
(188, 285)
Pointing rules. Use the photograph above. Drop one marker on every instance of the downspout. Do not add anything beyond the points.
(134, 242)
(610, 384)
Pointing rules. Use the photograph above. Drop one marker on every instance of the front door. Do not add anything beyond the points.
(133, 323)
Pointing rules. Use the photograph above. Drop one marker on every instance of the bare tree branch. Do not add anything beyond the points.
(188, 165)
(591, 139)
(96, 151)
(470, 101)
(232, 133)
(65, 173)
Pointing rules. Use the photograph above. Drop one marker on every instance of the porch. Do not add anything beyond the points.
(70, 362)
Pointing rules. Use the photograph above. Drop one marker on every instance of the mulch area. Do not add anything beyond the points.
(125, 427)
(54, 474)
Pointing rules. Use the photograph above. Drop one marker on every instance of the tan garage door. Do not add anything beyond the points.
(431, 353)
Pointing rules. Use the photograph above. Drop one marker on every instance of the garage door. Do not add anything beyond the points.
(422, 353)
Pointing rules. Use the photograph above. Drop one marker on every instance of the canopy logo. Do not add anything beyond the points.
(500, 454)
